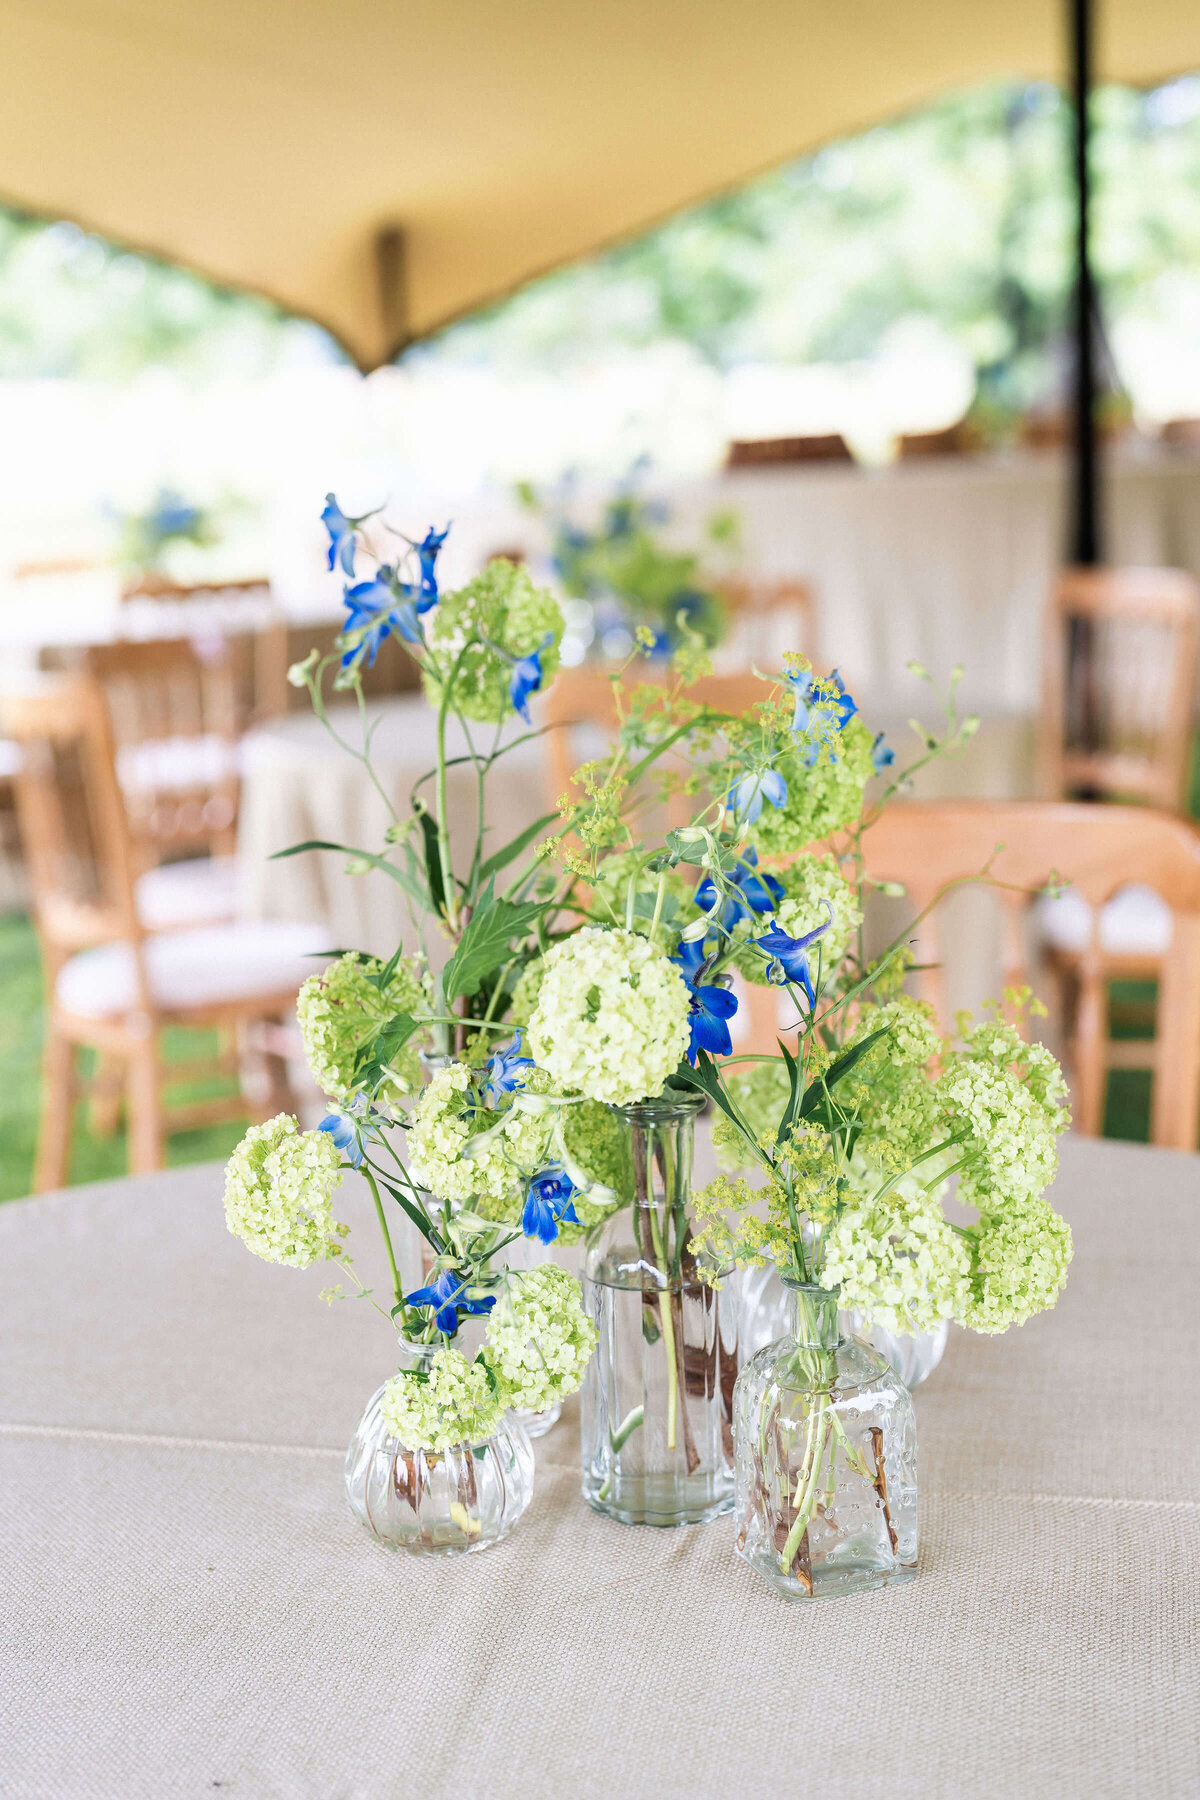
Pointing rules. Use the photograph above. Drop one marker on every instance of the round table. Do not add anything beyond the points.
(190, 1607)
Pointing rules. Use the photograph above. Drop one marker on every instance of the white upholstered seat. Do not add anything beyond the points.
(194, 968)
(201, 891)
(1135, 922)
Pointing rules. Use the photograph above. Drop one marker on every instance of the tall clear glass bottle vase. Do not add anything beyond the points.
(657, 1403)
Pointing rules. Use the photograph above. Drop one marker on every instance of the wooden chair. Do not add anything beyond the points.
(111, 984)
(241, 614)
(927, 845)
(767, 618)
(1117, 718)
(173, 710)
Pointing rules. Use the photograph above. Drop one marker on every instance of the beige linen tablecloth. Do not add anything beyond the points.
(190, 1608)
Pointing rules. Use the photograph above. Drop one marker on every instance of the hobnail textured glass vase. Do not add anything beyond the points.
(657, 1438)
(437, 1502)
(826, 1460)
(767, 1311)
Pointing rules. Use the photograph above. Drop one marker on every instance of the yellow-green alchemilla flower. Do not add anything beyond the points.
(344, 1008)
(497, 624)
(612, 1017)
(279, 1186)
(821, 799)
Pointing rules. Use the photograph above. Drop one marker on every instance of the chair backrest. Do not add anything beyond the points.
(173, 707)
(765, 619)
(1098, 849)
(72, 816)
(243, 613)
(584, 697)
(1120, 685)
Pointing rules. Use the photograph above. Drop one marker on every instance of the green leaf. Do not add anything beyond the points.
(500, 859)
(433, 861)
(422, 1224)
(793, 1068)
(400, 876)
(704, 1076)
(817, 1091)
(374, 1057)
(484, 944)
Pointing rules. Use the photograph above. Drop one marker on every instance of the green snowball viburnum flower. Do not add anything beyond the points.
(525, 993)
(456, 1402)
(612, 1018)
(540, 1337)
(342, 1009)
(461, 1150)
(820, 800)
(279, 1186)
(898, 1261)
(508, 617)
(1019, 1260)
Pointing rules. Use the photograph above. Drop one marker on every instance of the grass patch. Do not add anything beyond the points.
(21, 1033)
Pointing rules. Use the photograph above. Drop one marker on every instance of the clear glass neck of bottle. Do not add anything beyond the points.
(814, 1314)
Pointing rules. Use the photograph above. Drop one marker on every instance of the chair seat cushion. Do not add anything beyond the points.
(176, 765)
(194, 968)
(201, 891)
(1135, 922)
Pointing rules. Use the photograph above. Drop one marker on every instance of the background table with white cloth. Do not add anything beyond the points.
(189, 1607)
(945, 559)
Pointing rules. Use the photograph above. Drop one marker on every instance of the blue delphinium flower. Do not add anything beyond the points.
(447, 1294)
(427, 553)
(757, 892)
(341, 1128)
(382, 605)
(882, 754)
(711, 1007)
(746, 800)
(547, 1203)
(789, 955)
(342, 541)
(506, 1071)
(526, 677)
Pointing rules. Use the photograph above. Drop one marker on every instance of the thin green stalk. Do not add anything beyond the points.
(668, 1327)
(397, 1285)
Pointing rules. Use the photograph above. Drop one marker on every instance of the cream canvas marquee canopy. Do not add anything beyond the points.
(384, 166)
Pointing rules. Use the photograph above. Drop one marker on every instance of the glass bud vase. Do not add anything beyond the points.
(826, 1460)
(657, 1401)
(437, 1502)
(766, 1315)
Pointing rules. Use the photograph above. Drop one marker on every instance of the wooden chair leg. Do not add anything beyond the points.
(1090, 1063)
(147, 1114)
(52, 1165)
(1175, 1103)
(108, 1088)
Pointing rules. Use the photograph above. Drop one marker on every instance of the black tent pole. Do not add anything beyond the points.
(1086, 533)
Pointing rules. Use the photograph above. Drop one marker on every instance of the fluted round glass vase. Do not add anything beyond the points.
(826, 1460)
(437, 1502)
(657, 1399)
